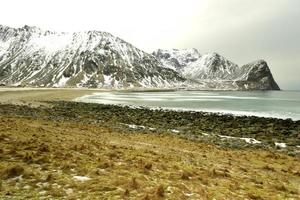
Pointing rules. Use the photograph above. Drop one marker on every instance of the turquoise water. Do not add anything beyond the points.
(277, 104)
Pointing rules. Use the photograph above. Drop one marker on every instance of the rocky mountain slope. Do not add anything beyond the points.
(213, 71)
(30, 56)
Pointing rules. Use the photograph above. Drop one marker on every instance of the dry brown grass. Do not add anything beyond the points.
(39, 159)
(11, 171)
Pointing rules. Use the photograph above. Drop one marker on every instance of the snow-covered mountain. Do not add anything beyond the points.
(213, 71)
(30, 56)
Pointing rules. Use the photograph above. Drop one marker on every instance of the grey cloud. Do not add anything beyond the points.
(275, 38)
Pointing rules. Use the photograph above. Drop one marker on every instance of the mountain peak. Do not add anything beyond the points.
(30, 56)
(260, 73)
(28, 27)
(258, 61)
(213, 54)
(212, 70)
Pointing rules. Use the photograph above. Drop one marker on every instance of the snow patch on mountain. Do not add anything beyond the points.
(213, 71)
(31, 56)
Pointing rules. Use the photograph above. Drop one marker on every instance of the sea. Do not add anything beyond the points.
(274, 104)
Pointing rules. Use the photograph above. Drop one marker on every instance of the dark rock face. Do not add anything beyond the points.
(259, 76)
(213, 71)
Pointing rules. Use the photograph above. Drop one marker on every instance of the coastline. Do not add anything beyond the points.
(65, 149)
(214, 128)
(37, 96)
(136, 99)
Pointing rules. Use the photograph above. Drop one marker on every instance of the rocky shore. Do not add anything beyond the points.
(71, 150)
(225, 130)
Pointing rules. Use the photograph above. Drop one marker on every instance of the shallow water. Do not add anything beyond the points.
(276, 104)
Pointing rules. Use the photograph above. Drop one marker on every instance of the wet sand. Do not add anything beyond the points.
(38, 96)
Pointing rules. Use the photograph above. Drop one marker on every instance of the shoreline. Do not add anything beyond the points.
(238, 131)
(223, 130)
(55, 149)
(237, 113)
(216, 112)
(38, 96)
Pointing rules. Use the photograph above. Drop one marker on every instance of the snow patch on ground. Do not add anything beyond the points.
(251, 140)
(247, 140)
(280, 144)
(81, 178)
(134, 126)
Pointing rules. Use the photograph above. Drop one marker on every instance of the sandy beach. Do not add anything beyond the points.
(37, 96)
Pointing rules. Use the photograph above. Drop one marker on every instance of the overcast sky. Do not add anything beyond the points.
(240, 30)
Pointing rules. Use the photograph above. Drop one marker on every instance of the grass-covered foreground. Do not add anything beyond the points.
(65, 155)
